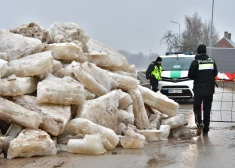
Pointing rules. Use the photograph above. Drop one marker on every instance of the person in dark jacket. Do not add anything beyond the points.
(154, 72)
(203, 71)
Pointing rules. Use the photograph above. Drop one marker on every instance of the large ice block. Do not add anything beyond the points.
(89, 82)
(132, 140)
(31, 142)
(17, 114)
(159, 101)
(125, 100)
(54, 117)
(102, 110)
(14, 86)
(15, 46)
(31, 65)
(68, 32)
(152, 135)
(65, 91)
(124, 82)
(107, 58)
(100, 75)
(86, 127)
(3, 68)
(125, 117)
(175, 121)
(66, 51)
(90, 144)
(141, 118)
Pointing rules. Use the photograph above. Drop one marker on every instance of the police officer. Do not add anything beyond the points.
(153, 73)
(203, 71)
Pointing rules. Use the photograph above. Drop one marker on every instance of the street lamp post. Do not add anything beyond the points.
(179, 28)
(211, 27)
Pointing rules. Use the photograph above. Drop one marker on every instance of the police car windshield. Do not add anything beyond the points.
(176, 63)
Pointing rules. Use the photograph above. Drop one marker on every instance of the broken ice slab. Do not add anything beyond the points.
(68, 32)
(31, 65)
(176, 121)
(102, 110)
(124, 82)
(141, 118)
(57, 65)
(66, 51)
(181, 132)
(31, 142)
(159, 101)
(54, 117)
(125, 100)
(15, 46)
(3, 68)
(132, 140)
(166, 131)
(89, 82)
(152, 135)
(65, 91)
(107, 58)
(100, 75)
(12, 132)
(14, 113)
(90, 144)
(125, 117)
(83, 126)
(14, 86)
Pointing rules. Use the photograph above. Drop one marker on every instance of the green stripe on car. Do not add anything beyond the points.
(175, 74)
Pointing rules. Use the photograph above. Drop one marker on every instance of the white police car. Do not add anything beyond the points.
(174, 81)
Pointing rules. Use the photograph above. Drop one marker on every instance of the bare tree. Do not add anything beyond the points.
(196, 32)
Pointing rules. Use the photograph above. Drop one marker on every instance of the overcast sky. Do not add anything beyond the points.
(133, 25)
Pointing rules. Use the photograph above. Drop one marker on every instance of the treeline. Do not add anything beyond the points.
(140, 60)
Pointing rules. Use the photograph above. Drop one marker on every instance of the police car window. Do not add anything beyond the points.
(176, 63)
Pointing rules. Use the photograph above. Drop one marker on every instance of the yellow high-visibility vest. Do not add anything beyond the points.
(157, 72)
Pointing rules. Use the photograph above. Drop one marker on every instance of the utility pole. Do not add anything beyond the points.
(211, 27)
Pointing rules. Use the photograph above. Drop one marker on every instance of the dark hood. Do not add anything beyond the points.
(201, 57)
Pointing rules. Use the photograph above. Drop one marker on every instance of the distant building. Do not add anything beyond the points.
(225, 42)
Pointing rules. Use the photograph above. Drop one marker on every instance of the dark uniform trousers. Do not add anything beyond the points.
(154, 83)
(207, 103)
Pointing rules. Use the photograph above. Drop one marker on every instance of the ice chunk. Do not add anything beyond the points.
(121, 128)
(107, 58)
(124, 82)
(32, 65)
(100, 75)
(12, 132)
(141, 118)
(17, 114)
(166, 131)
(68, 32)
(3, 68)
(57, 66)
(30, 143)
(65, 91)
(13, 86)
(125, 100)
(152, 135)
(54, 117)
(90, 144)
(66, 51)
(84, 127)
(125, 117)
(89, 82)
(132, 140)
(159, 101)
(182, 132)
(33, 30)
(14, 46)
(133, 75)
(176, 121)
(102, 110)
(154, 121)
